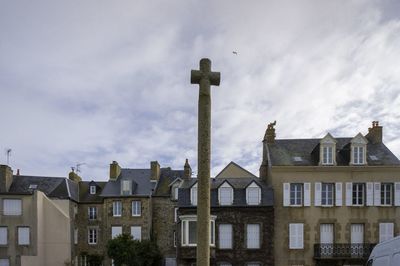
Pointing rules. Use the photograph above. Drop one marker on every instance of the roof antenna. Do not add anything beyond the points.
(8, 153)
(78, 167)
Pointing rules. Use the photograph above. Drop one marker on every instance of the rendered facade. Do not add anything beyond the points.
(335, 198)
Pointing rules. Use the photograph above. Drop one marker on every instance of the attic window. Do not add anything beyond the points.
(92, 190)
(327, 155)
(297, 159)
(373, 157)
(126, 187)
(33, 186)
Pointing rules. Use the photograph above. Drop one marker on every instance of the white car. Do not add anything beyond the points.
(386, 253)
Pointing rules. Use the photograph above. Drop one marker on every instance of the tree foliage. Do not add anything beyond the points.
(126, 251)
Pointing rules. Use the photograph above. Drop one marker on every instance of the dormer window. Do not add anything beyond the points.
(193, 195)
(327, 150)
(253, 194)
(358, 150)
(225, 194)
(92, 189)
(126, 188)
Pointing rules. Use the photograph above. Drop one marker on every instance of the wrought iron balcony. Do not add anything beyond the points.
(342, 251)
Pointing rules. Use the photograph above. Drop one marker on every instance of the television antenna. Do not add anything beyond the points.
(78, 167)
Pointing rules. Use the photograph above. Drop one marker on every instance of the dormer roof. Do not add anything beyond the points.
(359, 139)
(328, 139)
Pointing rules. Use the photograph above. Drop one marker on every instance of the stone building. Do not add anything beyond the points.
(35, 219)
(335, 198)
(241, 219)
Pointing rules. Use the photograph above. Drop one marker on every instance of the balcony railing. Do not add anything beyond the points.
(342, 251)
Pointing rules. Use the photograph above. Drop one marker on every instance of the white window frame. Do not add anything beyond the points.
(252, 190)
(117, 208)
(325, 194)
(386, 200)
(296, 236)
(327, 155)
(92, 236)
(225, 194)
(126, 187)
(116, 230)
(257, 235)
(355, 194)
(294, 198)
(136, 208)
(9, 204)
(138, 230)
(3, 235)
(185, 220)
(358, 152)
(193, 195)
(92, 213)
(176, 192)
(175, 214)
(225, 236)
(92, 189)
(24, 234)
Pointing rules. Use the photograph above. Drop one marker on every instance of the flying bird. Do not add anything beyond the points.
(234, 52)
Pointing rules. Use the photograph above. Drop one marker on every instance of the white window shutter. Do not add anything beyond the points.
(286, 194)
(370, 194)
(317, 194)
(292, 236)
(307, 194)
(377, 194)
(397, 194)
(300, 236)
(349, 188)
(296, 238)
(339, 193)
(385, 231)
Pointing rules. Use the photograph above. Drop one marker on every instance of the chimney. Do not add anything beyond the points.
(155, 170)
(6, 178)
(187, 170)
(375, 133)
(115, 171)
(269, 136)
(74, 176)
(17, 171)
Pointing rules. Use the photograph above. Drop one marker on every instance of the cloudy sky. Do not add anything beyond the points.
(96, 81)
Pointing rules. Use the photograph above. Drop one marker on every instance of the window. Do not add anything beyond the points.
(327, 155)
(23, 235)
(386, 194)
(126, 187)
(358, 155)
(296, 236)
(92, 212)
(117, 208)
(4, 262)
(193, 195)
(92, 190)
(385, 231)
(136, 208)
(253, 194)
(188, 227)
(175, 215)
(176, 193)
(76, 236)
(136, 232)
(296, 194)
(12, 206)
(116, 231)
(358, 194)
(225, 194)
(327, 194)
(92, 236)
(225, 236)
(253, 236)
(3, 235)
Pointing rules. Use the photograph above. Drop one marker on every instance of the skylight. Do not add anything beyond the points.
(297, 159)
(33, 186)
(373, 157)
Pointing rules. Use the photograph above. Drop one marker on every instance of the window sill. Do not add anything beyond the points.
(92, 244)
(136, 215)
(117, 216)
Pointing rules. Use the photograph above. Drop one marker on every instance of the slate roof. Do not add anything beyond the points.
(283, 151)
(55, 187)
(85, 196)
(239, 191)
(167, 176)
(141, 184)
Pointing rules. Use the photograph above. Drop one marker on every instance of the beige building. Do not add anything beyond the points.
(35, 220)
(335, 198)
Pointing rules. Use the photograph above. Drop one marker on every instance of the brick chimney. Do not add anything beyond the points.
(115, 171)
(155, 170)
(187, 170)
(6, 177)
(74, 176)
(374, 135)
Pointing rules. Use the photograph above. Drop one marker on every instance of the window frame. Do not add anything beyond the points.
(297, 188)
(385, 188)
(251, 189)
(92, 189)
(28, 230)
(327, 155)
(355, 194)
(193, 195)
(228, 189)
(220, 236)
(325, 194)
(92, 213)
(140, 232)
(296, 244)
(117, 208)
(185, 230)
(92, 236)
(258, 246)
(11, 212)
(358, 154)
(5, 228)
(136, 208)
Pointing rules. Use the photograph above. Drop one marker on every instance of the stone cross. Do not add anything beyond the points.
(205, 78)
